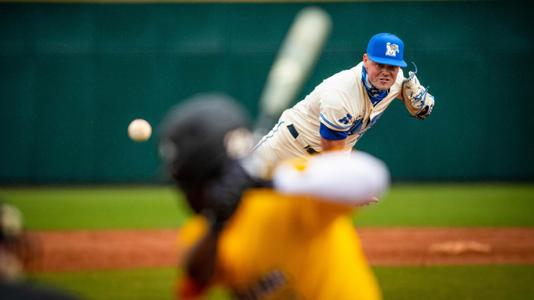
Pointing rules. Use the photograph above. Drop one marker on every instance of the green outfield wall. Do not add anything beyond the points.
(74, 75)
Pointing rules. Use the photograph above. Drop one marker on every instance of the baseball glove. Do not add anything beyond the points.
(417, 100)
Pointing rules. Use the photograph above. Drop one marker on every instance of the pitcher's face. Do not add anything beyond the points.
(381, 76)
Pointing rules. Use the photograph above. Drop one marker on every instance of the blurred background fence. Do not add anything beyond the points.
(74, 75)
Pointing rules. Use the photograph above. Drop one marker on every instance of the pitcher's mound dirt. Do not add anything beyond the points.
(429, 246)
(123, 249)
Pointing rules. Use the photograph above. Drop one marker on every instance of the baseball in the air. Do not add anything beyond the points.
(139, 130)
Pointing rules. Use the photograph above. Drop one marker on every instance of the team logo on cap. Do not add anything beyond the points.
(392, 49)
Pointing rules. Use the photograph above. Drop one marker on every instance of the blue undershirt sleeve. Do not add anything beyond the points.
(329, 134)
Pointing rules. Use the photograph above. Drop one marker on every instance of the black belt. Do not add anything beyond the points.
(295, 134)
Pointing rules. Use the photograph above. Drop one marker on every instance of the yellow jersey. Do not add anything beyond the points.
(280, 246)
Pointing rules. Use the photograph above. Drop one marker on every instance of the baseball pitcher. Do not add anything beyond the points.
(343, 107)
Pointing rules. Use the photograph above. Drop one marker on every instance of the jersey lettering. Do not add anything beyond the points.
(346, 119)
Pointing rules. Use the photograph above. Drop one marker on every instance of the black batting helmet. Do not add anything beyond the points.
(194, 137)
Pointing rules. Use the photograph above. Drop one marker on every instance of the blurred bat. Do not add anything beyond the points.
(298, 54)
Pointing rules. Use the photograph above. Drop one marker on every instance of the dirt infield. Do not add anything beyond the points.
(124, 249)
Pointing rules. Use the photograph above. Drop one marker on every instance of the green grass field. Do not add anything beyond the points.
(398, 283)
(405, 205)
(162, 207)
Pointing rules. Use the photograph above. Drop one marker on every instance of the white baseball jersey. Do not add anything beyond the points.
(340, 103)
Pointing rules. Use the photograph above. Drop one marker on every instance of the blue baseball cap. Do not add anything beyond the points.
(386, 48)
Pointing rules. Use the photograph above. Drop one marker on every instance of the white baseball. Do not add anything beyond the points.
(139, 130)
